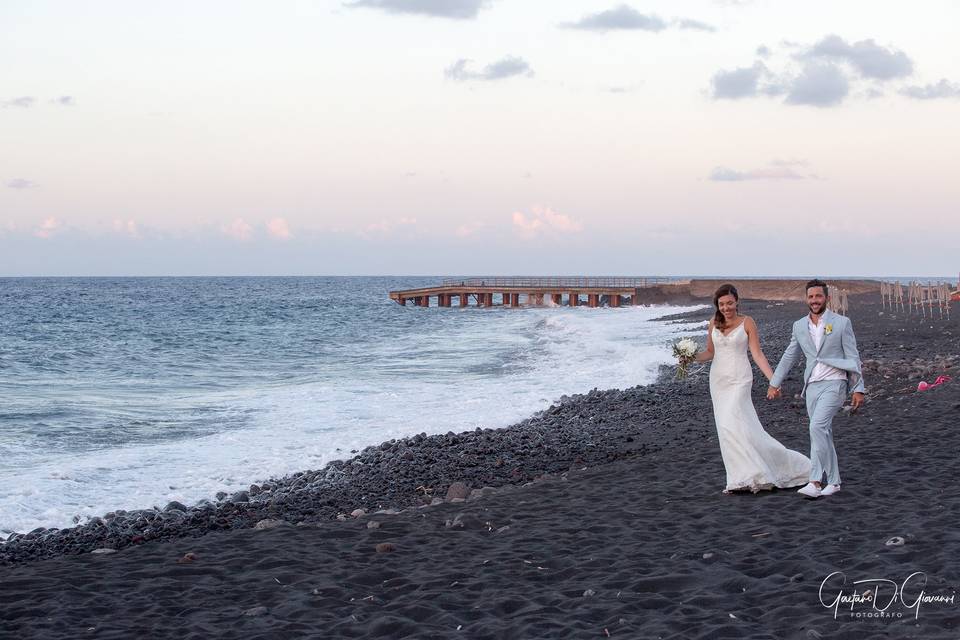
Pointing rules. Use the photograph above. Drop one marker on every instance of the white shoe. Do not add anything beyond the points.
(830, 489)
(810, 490)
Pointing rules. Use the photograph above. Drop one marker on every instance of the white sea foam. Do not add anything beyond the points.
(486, 368)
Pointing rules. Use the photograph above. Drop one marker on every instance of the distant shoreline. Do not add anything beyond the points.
(852, 278)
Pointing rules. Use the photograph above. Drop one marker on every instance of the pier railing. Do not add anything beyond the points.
(556, 282)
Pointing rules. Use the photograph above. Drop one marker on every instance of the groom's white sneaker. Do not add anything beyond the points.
(830, 489)
(810, 490)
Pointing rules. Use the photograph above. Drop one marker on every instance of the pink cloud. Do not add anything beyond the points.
(127, 227)
(239, 229)
(377, 227)
(544, 219)
(48, 227)
(279, 228)
(468, 229)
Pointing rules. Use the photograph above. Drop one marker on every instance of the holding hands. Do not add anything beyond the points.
(857, 400)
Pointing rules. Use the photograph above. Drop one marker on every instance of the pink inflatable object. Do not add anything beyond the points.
(923, 386)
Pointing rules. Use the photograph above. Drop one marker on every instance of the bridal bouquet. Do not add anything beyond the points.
(685, 351)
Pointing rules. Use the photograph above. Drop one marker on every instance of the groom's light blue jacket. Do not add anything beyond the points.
(837, 349)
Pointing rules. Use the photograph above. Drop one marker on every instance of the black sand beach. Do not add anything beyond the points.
(602, 517)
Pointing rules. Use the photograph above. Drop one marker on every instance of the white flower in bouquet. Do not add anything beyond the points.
(685, 351)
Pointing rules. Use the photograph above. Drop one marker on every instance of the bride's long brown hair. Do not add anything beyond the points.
(724, 290)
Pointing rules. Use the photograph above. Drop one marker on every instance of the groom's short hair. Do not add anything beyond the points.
(816, 282)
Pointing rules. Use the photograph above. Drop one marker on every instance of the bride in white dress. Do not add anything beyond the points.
(754, 459)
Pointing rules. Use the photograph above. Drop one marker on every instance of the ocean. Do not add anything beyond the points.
(126, 393)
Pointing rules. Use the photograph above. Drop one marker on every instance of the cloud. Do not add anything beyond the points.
(621, 18)
(694, 25)
(823, 74)
(868, 58)
(48, 227)
(20, 183)
(778, 170)
(278, 228)
(940, 90)
(239, 230)
(468, 229)
(622, 89)
(24, 102)
(544, 219)
(819, 85)
(456, 9)
(384, 227)
(507, 67)
(739, 83)
(126, 227)
(792, 162)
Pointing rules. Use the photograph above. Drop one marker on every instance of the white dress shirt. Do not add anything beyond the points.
(822, 371)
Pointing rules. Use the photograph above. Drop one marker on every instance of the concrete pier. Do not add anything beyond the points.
(515, 292)
(523, 291)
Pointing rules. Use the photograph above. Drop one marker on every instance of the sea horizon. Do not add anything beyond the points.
(502, 275)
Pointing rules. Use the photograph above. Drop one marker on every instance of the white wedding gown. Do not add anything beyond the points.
(753, 458)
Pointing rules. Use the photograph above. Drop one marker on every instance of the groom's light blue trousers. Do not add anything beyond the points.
(824, 399)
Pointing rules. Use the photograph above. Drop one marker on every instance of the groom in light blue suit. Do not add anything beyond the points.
(833, 368)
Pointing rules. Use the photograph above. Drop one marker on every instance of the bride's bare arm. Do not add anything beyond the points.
(703, 356)
(755, 349)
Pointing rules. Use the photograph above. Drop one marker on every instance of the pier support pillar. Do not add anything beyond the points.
(574, 299)
(443, 300)
(615, 300)
(464, 299)
(593, 300)
(514, 299)
(635, 299)
(538, 299)
(556, 298)
(402, 302)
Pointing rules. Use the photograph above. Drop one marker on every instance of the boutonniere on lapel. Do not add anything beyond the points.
(827, 330)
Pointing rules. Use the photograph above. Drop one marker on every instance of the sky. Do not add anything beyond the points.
(476, 137)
